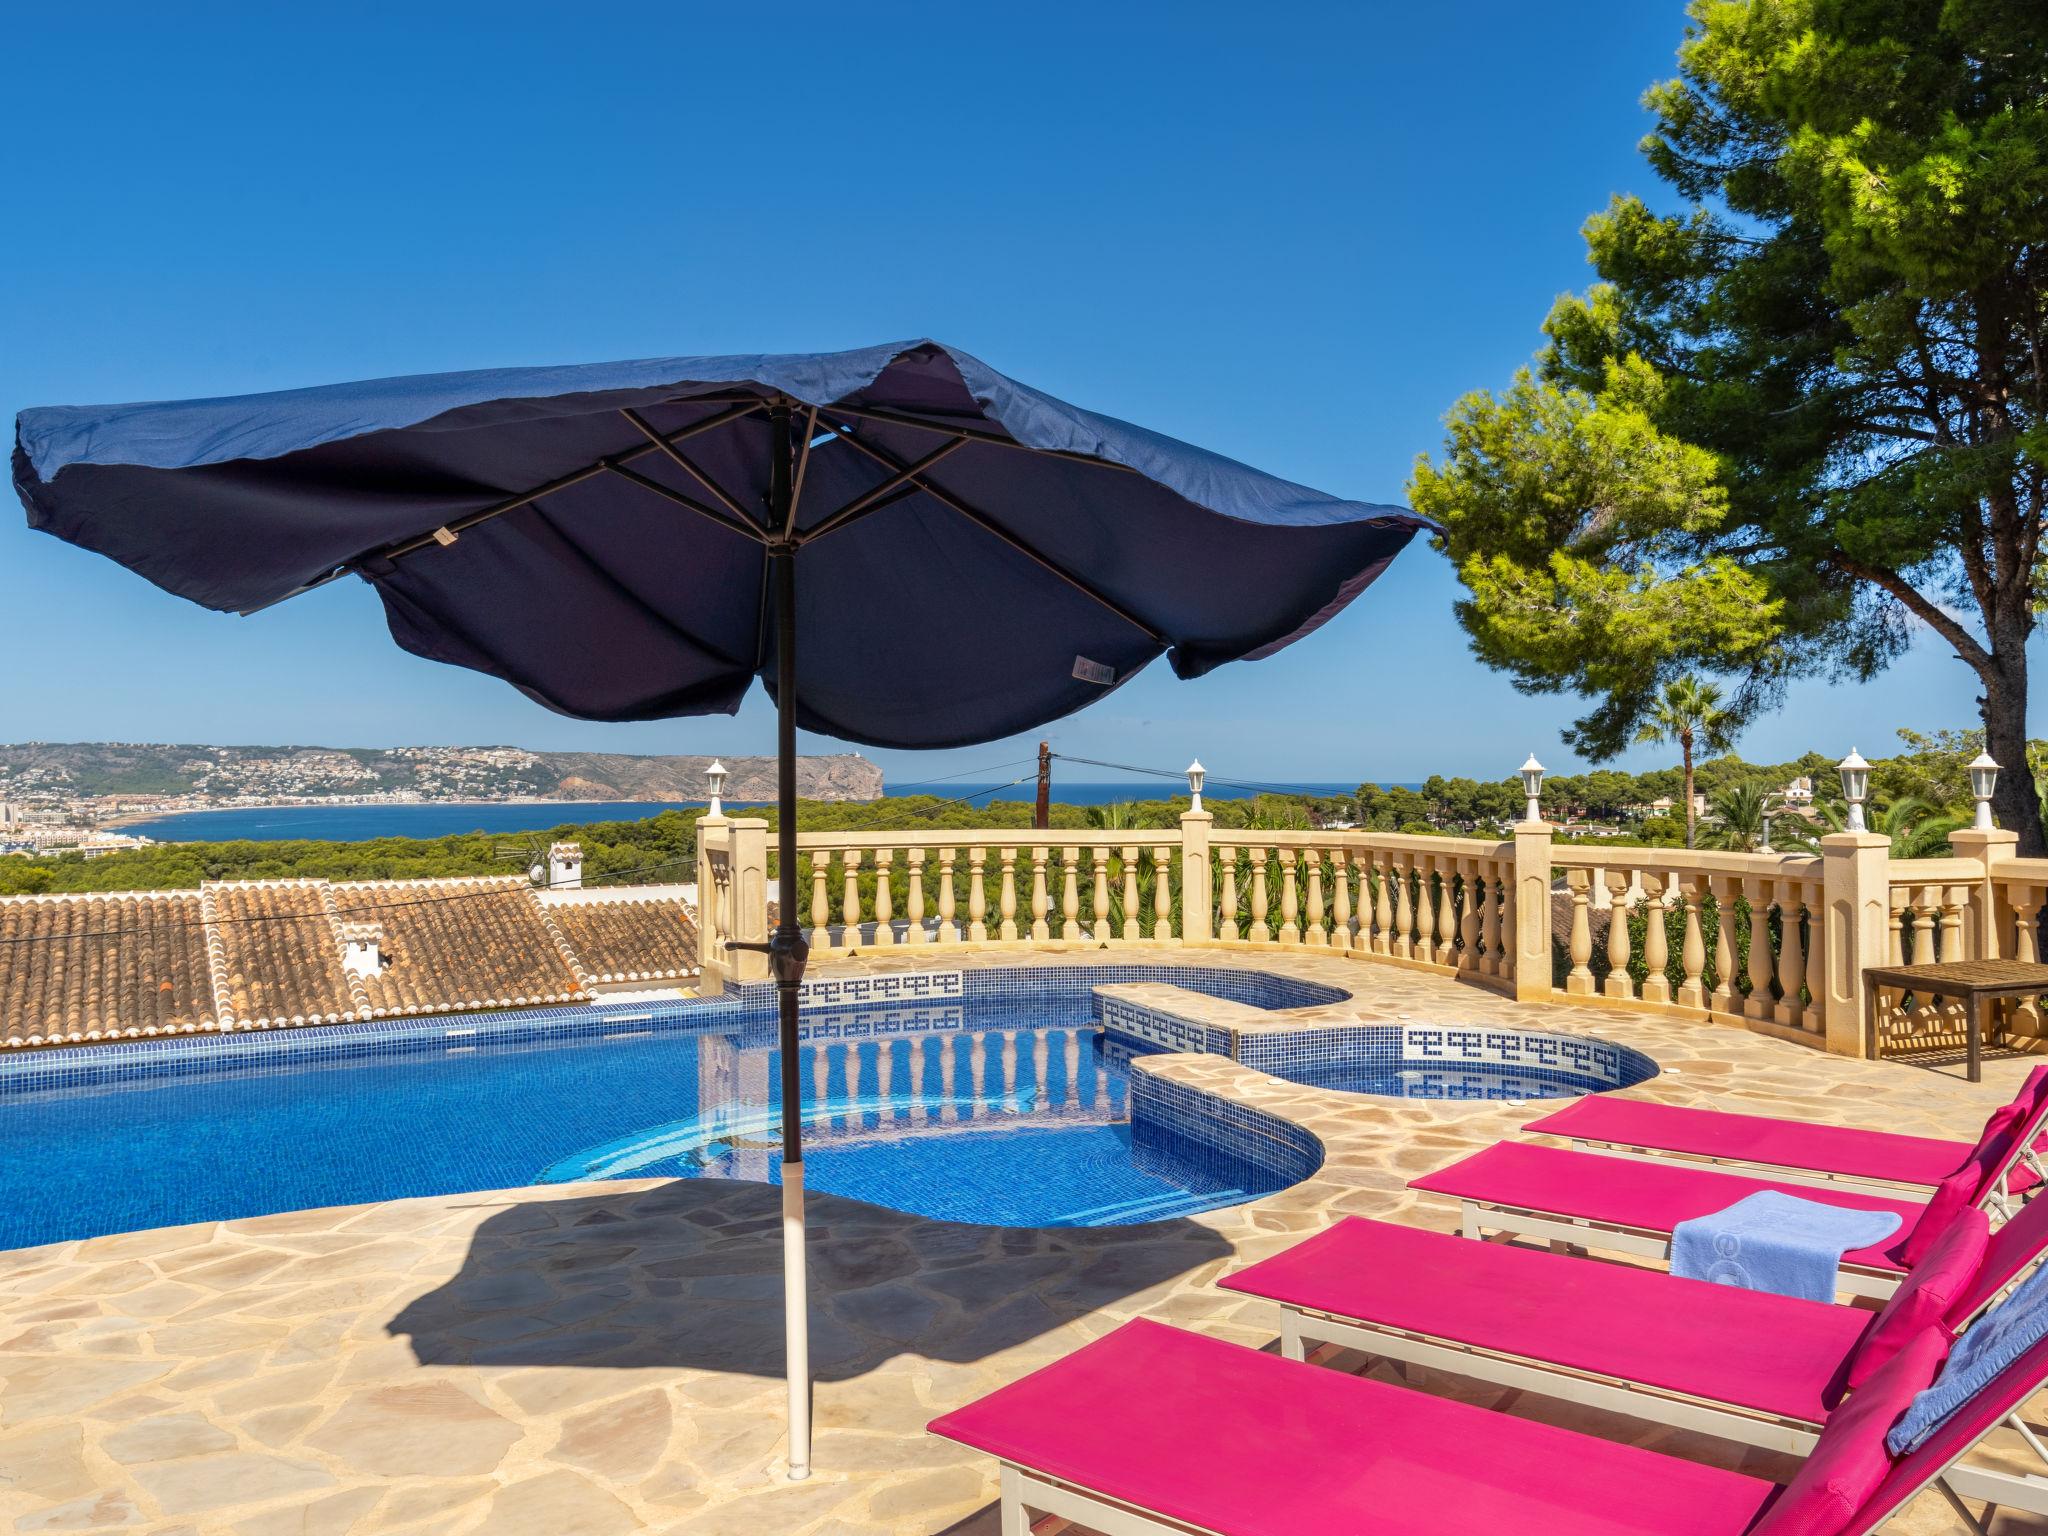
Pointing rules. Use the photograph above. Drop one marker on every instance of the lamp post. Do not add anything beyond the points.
(1983, 779)
(1855, 788)
(1532, 787)
(716, 774)
(1196, 775)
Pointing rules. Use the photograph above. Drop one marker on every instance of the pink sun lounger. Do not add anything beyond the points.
(1791, 1149)
(1743, 1365)
(1213, 1437)
(1626, 1206)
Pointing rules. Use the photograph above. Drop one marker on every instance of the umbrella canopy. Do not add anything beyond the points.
(979, 557)
(620, 541)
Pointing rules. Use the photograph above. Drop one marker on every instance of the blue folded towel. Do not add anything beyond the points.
(1992, 1343)
(1776, 1242)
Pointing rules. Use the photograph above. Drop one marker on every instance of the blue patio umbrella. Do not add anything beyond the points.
(625, 541)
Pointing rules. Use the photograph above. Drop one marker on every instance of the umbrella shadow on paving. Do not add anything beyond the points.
(688, 1275)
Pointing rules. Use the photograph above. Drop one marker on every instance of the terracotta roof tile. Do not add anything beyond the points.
(449, 945)
(92, 967)
(629, 940)
(281, 953)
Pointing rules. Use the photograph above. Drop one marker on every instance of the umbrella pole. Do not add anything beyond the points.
(787, 952)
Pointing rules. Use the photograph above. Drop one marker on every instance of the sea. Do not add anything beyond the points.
(357, 823)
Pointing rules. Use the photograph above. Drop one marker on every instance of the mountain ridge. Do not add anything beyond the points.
(55, 771)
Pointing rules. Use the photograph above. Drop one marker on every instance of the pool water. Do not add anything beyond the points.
(1479, 1082)
(1004, 1111)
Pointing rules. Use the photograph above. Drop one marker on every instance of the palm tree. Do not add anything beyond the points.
(1689, 713)
(1917, 830)
(1738, 819)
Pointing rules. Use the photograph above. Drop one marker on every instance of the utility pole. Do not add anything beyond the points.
(1041, 815)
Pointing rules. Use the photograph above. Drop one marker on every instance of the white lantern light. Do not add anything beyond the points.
(1532, 787)
(1196, 775)
(716, 774)
(1983, 778)
(1855, 788)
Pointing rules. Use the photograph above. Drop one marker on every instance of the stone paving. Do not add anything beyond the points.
(584, 1360)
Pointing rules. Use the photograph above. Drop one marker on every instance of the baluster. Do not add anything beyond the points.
(849, 901)
(949, 930)
(1260, 933)
(1725, 997)
(1656, 942)
(885, 901)
(977, 896)
(1006, 906)
(1070, 895)
(1404, 914)
(1162, 893)
(1100, 856)
(1619, 947)
(1226, 927)
(914, 934)
(1816, 957)
(2026, 947)
(1446, 921)
(1692, 951)
(1131, 929)
(1317, 930)
(1469, 921)
(1898, 897)
(1290, 896)
(1760, 1004)
(1954, 899)
(1791, 954)
(1340, 877)
(821, 901)
(1425, 909)
(1490, 899)
(1381, 922)
(1579, 981)
(1040, 904)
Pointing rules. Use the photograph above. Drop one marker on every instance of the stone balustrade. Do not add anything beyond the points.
(1772, 943)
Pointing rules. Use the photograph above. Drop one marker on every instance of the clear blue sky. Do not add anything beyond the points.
(1292, 235)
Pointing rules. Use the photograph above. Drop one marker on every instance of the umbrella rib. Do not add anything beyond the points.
(884, 494)
(744, 529)
(976, 434)
(668, 447)
(796, 484)
(990, 526)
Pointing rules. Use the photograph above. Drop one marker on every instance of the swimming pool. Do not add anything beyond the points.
(985, 1100)
(1448, 1061)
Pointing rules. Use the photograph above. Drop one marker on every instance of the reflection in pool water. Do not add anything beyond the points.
(998, 1108)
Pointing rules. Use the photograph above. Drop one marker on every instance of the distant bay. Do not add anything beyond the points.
(358, 823)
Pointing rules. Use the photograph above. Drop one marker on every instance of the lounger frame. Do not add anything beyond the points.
(1301, 1328)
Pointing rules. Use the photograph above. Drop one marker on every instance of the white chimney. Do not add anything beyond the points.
(565, 866)
(362, 948)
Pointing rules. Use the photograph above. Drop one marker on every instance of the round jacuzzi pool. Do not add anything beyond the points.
(1415, 1061)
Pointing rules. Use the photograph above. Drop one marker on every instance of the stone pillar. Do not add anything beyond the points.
(1988, 928)
(1856, 868)
(1532, 911)
(1197, 893)
(714, 840)
(748, 921)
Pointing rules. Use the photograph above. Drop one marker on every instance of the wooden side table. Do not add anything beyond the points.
(1973, 982)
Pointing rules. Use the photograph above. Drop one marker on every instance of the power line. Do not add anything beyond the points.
(1181, 774)
(969, 774)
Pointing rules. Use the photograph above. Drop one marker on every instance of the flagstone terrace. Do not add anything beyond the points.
(603, 1358)
(1530, 917)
